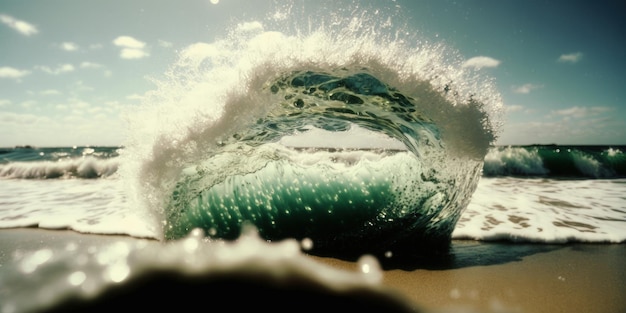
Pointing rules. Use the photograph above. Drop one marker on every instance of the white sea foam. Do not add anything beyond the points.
(514, 209)
(546, 210)
(89, 206)
(84, 167)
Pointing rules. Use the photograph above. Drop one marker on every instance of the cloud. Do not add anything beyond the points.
(90, 65)
(22, 27)
(526, 88)
(4, 102)
(581, 112)
(165, 44)
(131, 47)
(197, 52)
(63, 68)
(128, 42)
(249, 27)
(135, 97)
(128, 53)
(513, 108)
(50, 92)
(79, 86)
(28, 104)
(18, 118)
(571, 57)
(10, 72)
(94, 66)
(69, 46)
(481, 61)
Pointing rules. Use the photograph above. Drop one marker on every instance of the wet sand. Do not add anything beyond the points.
(474, 277)
(496, 277)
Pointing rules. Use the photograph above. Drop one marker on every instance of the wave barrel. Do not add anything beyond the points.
(339, 158)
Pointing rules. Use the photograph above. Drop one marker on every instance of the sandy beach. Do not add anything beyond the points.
(475, 277)
(494, 277)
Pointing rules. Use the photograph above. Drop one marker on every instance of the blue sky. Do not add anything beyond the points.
(69, 69)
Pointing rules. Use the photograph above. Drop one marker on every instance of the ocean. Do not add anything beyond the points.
(271, 143)
(519, 199)
(539, 193)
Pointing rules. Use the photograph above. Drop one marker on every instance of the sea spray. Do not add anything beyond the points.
(96, 275)
(209, 148)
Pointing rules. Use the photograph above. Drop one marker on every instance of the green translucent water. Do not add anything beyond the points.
(349, 200)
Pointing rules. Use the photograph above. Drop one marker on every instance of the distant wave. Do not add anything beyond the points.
(88, 167)
(556, 161)
(572, 162)
(27, 162)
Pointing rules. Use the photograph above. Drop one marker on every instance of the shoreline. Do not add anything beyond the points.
(476, 277)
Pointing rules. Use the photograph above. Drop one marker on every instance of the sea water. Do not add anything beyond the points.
(40, 190)
(516, 207)
(272, 141)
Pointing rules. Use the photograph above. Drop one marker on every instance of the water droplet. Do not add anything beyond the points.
(76, 278)
(306, 244)
(369, 266)
(118, 272)
(30, 263)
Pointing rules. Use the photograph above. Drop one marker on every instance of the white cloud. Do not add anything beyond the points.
(50, 92)
(513, 108)
(135, 97)
(94, 66)
(128, 42)
(526, 88)
(79, 86)
(481, 61)
(249, 26)
(53, 131)
(18, 118)
(571, 57)
(63, 68)
(128, 53)
(80, 104)
(28, 104)
(4, 102)
(580, 112)
(197, 52)
(573, 125)
(22, 27)
(10, 72)
(90, 65)
(69, 46)
(131, 47)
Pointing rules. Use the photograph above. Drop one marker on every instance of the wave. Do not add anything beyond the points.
(84, 167)
(556, 161)
(357, 141)
(27, 162)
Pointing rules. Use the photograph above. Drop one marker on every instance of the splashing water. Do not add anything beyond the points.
(355, 137)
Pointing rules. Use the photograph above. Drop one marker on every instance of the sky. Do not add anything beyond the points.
(70, 68)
